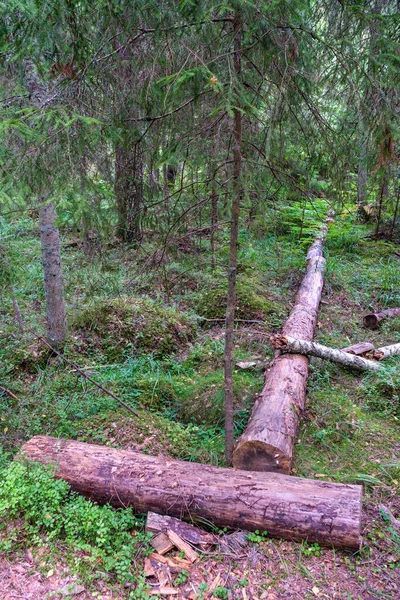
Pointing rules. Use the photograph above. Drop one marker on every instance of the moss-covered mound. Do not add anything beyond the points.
(124, 326)
(202, 401)
(150, 433)
(251, 303)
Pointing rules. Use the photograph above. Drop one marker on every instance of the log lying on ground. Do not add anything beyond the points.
(286, 507)
(373, 320)
(386, 351)
(268, 441)
(360, 349)
(291, 345)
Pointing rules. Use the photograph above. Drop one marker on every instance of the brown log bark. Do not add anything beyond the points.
(268, 441)
(286, 507)
(359, 349)
(296, 346)
(373, 320)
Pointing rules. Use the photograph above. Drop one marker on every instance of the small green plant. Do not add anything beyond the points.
(257, 537)
(181, 578)
(311, 549)
(221, 592)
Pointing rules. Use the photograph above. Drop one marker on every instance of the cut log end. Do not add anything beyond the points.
(371, 321)
(258, 456)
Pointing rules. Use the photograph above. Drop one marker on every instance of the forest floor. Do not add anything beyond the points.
(148, 326)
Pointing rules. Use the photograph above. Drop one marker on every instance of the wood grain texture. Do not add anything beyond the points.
(286, 507)
(268, 441)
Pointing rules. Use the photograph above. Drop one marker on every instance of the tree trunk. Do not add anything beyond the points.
(286, 507)
(287, 344)
(129, 191)
(386, 351)
(231, 299)
(375, 319)
(382, 194)
(52, 274)
(268, 441)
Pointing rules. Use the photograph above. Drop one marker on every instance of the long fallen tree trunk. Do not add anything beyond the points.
(286, 507)
(373, 320)
(268, 441)
(285, 343)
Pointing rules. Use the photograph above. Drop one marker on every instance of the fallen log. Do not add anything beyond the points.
(268, 441)
(360, 349)
(285, 343)
(286, 507)
(386, 351)
(373, 320)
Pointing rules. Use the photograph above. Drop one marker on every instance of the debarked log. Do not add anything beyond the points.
(268, 441)
(373, 320)
(286, 507)
(386, 351)
(291, 345)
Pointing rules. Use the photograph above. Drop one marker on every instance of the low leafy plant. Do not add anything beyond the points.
(46, 506)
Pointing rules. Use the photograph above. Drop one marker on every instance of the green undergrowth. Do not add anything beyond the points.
(41, 510)
(154, 434)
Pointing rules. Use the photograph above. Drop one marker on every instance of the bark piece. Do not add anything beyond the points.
(373, 320)
(268, 441)
(161, 543)
(286, 507)
(359, 349)
(386, 351)
(160, 523)
(286, 343)
(182, 545)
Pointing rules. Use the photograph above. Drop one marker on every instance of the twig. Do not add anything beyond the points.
(7, 391)
(83, 374)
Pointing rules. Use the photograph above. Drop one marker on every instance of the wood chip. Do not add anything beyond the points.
(189, 533)
(214, 584)
(176, 563)
(161, 543)
(148, 568)
(163, 590)
(182, 545)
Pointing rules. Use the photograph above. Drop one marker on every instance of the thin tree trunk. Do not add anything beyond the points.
(383, 191)
(362, 177)
(52, 274)
(231, 300)
(214, 221)
(286, 507)
(129, 191)
(386, 352)
(396, 210)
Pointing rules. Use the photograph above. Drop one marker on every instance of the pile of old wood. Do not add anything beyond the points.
(259, 493)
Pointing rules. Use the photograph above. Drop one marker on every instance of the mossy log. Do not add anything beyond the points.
(268, 441)
(286, 507)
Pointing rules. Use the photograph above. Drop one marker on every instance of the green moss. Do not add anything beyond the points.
(202, 399)
(251, 303)
(149, 433)
(124, 326)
